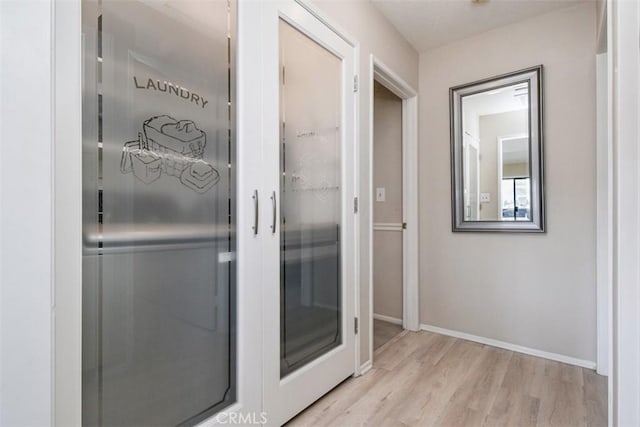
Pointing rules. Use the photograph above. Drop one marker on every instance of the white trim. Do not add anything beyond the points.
(612, 362)
(67, 213)
(249, 139)
(370, 79)
(509, 346)
(27, 268)
(388, 319)
(625, 33)
(387, 226)
(329, 22)
(604, 204)
(411, 313)
(383, 74)
(389, 79)
(356, 221)
(366, 367)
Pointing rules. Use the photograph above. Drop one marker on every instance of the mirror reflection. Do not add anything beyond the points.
(496, 153)
(497, 181)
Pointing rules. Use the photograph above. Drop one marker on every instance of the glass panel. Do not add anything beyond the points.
(516, 199)
(507, 205)
(310, 289)
(495, 125)
(159, 212)
(523, 199)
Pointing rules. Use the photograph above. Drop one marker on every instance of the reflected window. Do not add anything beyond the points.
(515, 203)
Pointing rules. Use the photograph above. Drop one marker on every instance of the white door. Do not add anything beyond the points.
(168, 309)
(190, 273)
(308, 231)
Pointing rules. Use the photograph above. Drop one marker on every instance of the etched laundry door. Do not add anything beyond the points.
(159, 212)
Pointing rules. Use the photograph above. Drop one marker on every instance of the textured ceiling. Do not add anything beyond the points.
(430, 23)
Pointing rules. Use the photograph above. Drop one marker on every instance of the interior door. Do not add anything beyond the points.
(160, 309)
(309, 233)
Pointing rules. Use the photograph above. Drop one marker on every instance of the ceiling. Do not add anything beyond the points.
(430, 23)
(503, 100)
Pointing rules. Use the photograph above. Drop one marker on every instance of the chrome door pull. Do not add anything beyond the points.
(255, 212)
(273, 219)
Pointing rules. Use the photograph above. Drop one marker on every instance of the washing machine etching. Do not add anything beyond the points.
(173, 147)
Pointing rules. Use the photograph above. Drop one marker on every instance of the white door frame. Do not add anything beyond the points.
(67, 217)
(384, 75)
(67, 213)
(604, 206)
(624, 57)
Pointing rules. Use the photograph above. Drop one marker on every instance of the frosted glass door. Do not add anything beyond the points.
(308, 226)
(159, 212)
(310, 104)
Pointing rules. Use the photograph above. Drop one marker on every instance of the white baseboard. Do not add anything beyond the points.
(513, 347)
(366, 367)
(389, 319)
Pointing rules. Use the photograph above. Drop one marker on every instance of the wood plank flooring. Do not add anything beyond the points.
(383, 332)
(426, 379)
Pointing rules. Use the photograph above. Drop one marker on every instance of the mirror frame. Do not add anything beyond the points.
(533, 76)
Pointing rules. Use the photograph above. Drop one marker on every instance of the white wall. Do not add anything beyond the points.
(601, 22)
(387, 173)
(361, 20)
(533, 290)
(26, 136)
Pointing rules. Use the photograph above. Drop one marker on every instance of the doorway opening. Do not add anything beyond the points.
(388, 217)
(393, 234)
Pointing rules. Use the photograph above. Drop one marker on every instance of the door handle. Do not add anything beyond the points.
(274, 207)
(255, 212)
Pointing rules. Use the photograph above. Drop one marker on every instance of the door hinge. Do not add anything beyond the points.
(355, 205)
(283, 75)
(404, 225)
(355, 83)
(355, 325)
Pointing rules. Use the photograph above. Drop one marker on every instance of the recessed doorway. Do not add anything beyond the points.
(388, 215)
(393, 238)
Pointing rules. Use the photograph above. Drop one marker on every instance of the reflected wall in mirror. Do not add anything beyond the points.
(496, 152)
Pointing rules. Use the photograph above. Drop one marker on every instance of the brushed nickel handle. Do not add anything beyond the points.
(274, 209)
(255, 212)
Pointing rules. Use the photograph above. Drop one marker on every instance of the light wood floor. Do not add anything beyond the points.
(426, 379)
(384, 332)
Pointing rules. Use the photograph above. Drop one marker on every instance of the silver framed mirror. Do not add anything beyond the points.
(497, 153)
